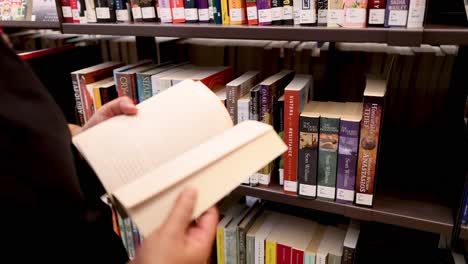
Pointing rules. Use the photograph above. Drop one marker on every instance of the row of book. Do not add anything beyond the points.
(255, 235)
(331, 13)
(28, 10)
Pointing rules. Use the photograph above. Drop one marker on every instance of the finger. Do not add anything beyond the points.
(119, 106)
(205, 229)
(181, 215)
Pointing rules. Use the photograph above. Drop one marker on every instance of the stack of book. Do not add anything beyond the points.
(28, 10)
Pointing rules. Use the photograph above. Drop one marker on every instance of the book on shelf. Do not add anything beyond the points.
(190, 11)
(335, 16)
(145, 188)
(237, 88)
(396, 13)
(377, 12)
(355, 13)
(44, 11)
(322, 12)
(416, 12)
(126, 81)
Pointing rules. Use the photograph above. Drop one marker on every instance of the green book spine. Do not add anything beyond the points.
(241, 245)
(309, 259)
(230, 246)
(250, 250)
(328, 156)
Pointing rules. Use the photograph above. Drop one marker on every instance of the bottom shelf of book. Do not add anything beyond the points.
(387, 209)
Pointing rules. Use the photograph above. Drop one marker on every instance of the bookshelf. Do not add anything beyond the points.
(464, 232)
(30, 24)
(388, 209)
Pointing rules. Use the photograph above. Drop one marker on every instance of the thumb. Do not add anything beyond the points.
(122, 105)
(181, 215)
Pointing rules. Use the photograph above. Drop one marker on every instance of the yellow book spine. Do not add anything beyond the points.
(97, 99)
(220, 245)
(225, 12)
(270, 256)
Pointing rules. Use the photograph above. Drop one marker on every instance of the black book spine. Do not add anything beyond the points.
(105, 11)
(148, 10)
(276, 12)
(191, 11)
(348, 255)
(307, 158)
(288, 18)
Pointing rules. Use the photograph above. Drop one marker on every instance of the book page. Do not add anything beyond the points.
(124, 148)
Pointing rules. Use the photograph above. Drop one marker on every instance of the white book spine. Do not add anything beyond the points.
(416, 12)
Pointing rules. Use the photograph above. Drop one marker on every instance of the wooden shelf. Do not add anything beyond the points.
(30, 24)
(425, 216)
(464, 232)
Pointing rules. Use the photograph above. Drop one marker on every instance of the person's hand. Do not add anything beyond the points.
(120, 106)
(178, 240)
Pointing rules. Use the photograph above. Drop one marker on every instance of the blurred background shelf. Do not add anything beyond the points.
(30, 24)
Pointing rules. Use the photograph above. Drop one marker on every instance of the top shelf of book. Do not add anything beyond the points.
(392, 36)
(29, 24)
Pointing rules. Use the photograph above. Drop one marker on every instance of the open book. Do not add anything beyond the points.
(182, 137)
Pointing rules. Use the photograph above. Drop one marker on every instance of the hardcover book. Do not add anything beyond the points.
(396, 14)
(377, 12)
(355, 13)
(369, 140)
(347, 152)
(239, 87)
(135, 182)
(309, 122)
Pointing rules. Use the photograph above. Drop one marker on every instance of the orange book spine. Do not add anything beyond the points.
(291, 127)
(237, 12)
(115, 224)
(177, 10)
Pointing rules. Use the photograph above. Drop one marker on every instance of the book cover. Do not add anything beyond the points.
(351, 242)
(271, 89)
(177, 11)
(369, 140)
(237, 88)
(377, 12)
(322, 11)
(307, 12)
(264, 12)
(191, 11)
(335, 16)
(296, 96)
(252, 12)
(416, 12)
(225, 12)
(237, 12)
(328, 150)
(355, 13)
(396, 13)
(203, 10)
(165, 11)
(288, 16)
(308, 151)
(214, 77)
(276, 12)
(148, 10)
(122, 11)
(66, 11)
(136, 10)
(347, 152)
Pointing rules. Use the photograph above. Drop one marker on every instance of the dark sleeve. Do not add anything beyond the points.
(45, 213)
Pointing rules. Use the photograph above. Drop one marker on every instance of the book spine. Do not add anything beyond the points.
(129, 238)
(308, 155)
(322, 12)
(347, 161)
(97, 98)
(136, 235)
(355, 12)
(259, 251)
(191, 11)
(237, 12)
(265, 116)
(307, 12)
(464, 216)
(225, 12)
(348, 255)
(335, 16)
(232, 97)
(280, 105)
(136, 11)
(254, 109)
(90, 12)
(243, 113)
(288, 17)
(211, 10)
(229, 247)
(165, 11)
(321, 258)
(67, 11)
(122, 231)
(178, 11)
(87, 99)
(396, 13)
(148, 10)
(105, 11)
(276, 12)
(291, 126)
(327, 158)
(297, 7)
(220, 245)
(78, 99)
(250, 250)
(75, 11)
(270, 252)
(217, 17)
(283, 254)
(124, 85)
(417, 9)
(309, 259)
(122, 11)
(264, 12)
(145, 91)
(377, 12)
(297, 256)
(252, 12)
(368, 149)
(242, 245)
(203, 10)
(108, 95)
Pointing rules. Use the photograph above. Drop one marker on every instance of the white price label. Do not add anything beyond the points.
(67, 11)
(103, 12)
(191, 14)
(91, 15)
(355, 15)
(281, 176)
(322, 16)
(290, 186)
(335, 16)
(136, 11)
(178, 13)
(364, 198)
(203, 14)
(254, 179)
(276, 13)
(122, 15)
(235, 14)
(307, 16)
(210, 12)
(76, 14)
(326, 192)
(158, 11)
(376, 16)
(252, 13)
(264, 15)
(165, 14)
(287, 12)
(148, 12)
(263, 178)
(397, 17)
(345, 195)
(308, 190)
(297, 7)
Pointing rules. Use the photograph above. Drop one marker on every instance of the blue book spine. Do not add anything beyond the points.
(144, 87)
(217, 19)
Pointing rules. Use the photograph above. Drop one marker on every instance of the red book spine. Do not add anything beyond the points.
(219, 79)
(252, 13)
(297, 256)
(75, 11)
(177, 10)
(67, 11)
(126, 86)
(283, 254)
(291, 127)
